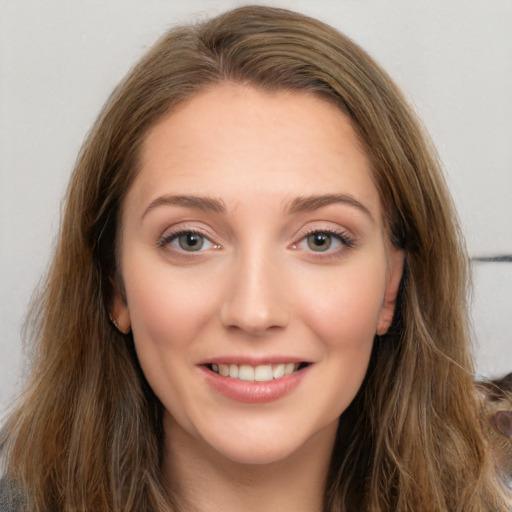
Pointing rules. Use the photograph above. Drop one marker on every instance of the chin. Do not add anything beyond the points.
(269, 444)
(249, 453)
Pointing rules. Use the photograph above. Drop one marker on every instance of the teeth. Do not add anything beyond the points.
(233, 371)
(261, 373)
(289, 368)
(278, 371)
(246, 372)
(224, 370)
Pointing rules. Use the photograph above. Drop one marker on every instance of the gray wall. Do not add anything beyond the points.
(59, 61)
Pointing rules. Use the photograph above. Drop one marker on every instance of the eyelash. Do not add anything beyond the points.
(339, 235)
(168, 239)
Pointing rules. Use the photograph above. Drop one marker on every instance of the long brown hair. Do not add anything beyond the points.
(87, 433)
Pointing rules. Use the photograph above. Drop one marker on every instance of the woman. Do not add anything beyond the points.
(258, 300)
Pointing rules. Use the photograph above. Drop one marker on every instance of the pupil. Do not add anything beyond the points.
(191, 242)
(319, 241)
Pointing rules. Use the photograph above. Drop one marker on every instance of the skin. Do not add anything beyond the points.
(259, 289)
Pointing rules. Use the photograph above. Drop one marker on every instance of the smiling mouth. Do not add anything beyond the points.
(260, 373)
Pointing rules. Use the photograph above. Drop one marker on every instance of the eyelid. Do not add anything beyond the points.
(172, 234)
(342, 235)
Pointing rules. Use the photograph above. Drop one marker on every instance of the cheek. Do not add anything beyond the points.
(343, 316)
(167, 308)
(344, 308)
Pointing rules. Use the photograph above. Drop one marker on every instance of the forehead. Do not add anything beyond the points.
(232, 138)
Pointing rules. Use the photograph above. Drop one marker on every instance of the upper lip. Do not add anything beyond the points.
(254, 361)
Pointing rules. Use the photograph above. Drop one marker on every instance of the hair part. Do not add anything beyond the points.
(87, 434)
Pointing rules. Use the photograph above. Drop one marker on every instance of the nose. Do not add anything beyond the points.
(255, 300)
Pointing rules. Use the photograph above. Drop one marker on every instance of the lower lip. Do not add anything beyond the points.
(254, 392)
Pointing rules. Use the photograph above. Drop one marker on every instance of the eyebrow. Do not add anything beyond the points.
(299, 204)
(311, 203)
(199, 202)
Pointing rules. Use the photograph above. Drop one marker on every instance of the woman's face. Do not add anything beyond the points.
(257, 270)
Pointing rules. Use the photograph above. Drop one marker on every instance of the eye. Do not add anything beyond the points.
(191, 241)
(320, 242)
(324, 241)
(187, 241)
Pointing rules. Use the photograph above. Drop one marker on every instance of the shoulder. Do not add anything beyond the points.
(10, 496)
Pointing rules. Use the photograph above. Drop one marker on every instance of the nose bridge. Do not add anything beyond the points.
(255, 299)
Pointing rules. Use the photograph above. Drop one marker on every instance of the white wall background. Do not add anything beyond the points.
(60, 59)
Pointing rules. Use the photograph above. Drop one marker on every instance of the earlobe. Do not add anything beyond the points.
(387, 311)
(118, 311)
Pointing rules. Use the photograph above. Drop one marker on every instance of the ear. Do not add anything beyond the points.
(502, 423)
(394, 276)
(118, 311)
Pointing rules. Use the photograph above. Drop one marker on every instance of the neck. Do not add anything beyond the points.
(206, 481)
